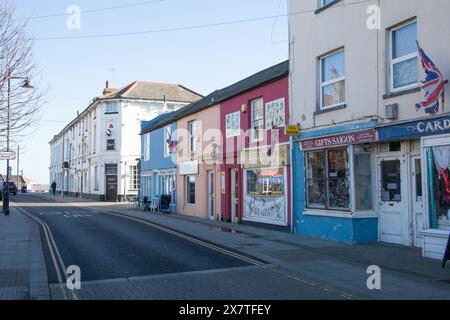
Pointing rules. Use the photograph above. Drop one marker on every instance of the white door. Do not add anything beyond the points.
(211, 194)
(393, 201)
(417, 200)
(235, 196)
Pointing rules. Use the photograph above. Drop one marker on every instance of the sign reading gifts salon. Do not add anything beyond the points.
(429, 127)
(346, 139)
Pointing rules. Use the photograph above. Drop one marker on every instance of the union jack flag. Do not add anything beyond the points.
(171, 144)
(432, 86)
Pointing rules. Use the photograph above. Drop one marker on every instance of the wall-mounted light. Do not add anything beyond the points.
(244, 108)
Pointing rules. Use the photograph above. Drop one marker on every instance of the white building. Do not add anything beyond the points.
(368, 162)
(97, 154)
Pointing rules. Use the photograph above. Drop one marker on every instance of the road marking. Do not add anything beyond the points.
(54, 251)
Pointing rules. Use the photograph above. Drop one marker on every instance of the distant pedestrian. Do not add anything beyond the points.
(54, 187)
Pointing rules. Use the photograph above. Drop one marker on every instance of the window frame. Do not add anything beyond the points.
(323, 84)
(134, 182)
(187, 178)
(107, 147)
(192, 129)
(394, 61)
(252, 120)
(233, 132)
(147, 146)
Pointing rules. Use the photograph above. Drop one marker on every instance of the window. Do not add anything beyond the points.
(110, 145)
(391, 181)
(257, 119)
(328, 184)
(192, 127)
(111, 107)
(363, 181)
(404, 57)
(95, 140)
(275, 114)
(438, 168)
(267, 181)
(190, 190)
(167, 139)
(332, 80)
(233, 124)
(147, 147)
(96, 182)
(135, 179)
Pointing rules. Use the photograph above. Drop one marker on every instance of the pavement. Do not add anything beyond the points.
(23, 274)
(295, 267)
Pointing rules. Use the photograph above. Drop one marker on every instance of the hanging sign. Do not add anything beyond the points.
(292, 130)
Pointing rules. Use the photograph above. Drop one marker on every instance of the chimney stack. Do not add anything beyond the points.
(108, 90)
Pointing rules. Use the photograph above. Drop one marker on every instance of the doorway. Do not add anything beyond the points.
(393, 201)
(417, 201)
(211, 203)
(235, 196)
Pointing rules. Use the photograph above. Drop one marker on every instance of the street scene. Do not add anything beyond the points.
(276, 150)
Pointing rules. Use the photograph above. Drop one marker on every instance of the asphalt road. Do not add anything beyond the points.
(109, 247)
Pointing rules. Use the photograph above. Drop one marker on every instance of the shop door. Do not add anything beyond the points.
(417, 200)
(235, 196)
(393, 201)
(111, 188)
(211, 194)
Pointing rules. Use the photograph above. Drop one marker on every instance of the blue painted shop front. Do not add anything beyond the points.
(313, 215)
(158, 166)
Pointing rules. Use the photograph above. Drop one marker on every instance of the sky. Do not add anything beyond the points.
(203, 59)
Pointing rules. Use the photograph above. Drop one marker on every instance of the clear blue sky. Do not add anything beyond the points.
(203, 59)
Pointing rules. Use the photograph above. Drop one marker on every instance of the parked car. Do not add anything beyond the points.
(11, 187)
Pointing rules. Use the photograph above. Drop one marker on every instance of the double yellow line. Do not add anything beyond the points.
(58, 263)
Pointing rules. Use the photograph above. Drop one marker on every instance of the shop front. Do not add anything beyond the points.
(166, 187)
(266, 185)
(414, 195)
(334, 178)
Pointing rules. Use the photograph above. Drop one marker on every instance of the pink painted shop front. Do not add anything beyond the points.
(255, 174)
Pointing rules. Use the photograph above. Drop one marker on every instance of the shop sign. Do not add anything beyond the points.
(262, 157)
(346, 139)
(438, 125)
(292, 130)
(271, 210)
(166, 172)
(189, 167)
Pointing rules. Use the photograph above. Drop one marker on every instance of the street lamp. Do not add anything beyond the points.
(25, 85)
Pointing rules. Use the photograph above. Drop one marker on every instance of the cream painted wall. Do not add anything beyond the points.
(345, 25)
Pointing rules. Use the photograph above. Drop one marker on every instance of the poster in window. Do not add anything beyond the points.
(233, 124)
(275, 114)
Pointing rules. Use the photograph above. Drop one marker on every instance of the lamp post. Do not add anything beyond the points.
(25, 85)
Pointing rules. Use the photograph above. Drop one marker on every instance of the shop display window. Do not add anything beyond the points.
(438, 163)
(266, 181)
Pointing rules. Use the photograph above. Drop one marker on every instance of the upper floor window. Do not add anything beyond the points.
(257, 119)
(192, 127)
(111, 107)
(233, 124)
(147, 147)
(404, 57)
(332, 80)
(110, 145)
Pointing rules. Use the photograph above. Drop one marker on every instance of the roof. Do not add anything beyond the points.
(142, 90)
(258, 79)
(153, 91)
(158, 122)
